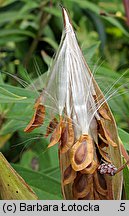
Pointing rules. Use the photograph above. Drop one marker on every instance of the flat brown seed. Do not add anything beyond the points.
(67, 137)
(100, 183)
(81, 153)
(82, 186)
(69, 175)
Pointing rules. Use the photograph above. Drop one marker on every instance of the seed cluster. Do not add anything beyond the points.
(107, 168)
(81, 123)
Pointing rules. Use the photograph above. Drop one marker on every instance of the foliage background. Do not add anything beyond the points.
(30, 33)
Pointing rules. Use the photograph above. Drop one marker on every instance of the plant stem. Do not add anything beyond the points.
(43, 21)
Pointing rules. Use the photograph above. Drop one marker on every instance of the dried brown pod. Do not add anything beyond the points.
(38, 117)
(86, 131)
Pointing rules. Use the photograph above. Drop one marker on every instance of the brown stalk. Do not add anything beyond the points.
(43, 21)
(126, 6)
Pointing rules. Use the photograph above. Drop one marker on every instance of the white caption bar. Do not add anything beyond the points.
(62, 207)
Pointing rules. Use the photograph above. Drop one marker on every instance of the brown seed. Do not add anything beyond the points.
(80, 154)
(81, 183)
(67, 137)
(67, 172)
(102, 181)
(69, 175)
(64, 137)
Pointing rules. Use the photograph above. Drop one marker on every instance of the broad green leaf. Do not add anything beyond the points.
(40, 162)
(55, 174)
(12, 186)
(124, 136)
(26, 159)
(46, 187)
(126, 181)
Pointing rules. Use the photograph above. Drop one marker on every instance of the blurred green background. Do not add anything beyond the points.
(30, 33)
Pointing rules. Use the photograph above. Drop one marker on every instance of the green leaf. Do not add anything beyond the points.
(46, 58)
(93, 7)
(54, 11)
(8, 32)
(12, 186)
(10, 94)
(116, 23)
(126, 181)
(46, 187)
(40, 82)
(87, 4)
(12, 38)
(51, 42)
(4, 139)
(89, 52)
(14, 16)
(124, 136)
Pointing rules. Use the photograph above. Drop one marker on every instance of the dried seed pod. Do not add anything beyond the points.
(38, 117)
(94, 135)
(81, 154)
(67, 137)
(107, 133)
(103, 111)
(55, 138)
(102, 142)
(103, 153)
(52, 125)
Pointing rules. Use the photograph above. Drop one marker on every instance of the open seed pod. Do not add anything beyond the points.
(55, 138)
(86, 132)
(103, 139)
(51, 127)
(38, 117)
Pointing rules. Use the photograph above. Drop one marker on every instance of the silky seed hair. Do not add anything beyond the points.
(84, 128)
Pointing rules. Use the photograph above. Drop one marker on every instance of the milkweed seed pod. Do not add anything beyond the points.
(81, 123)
